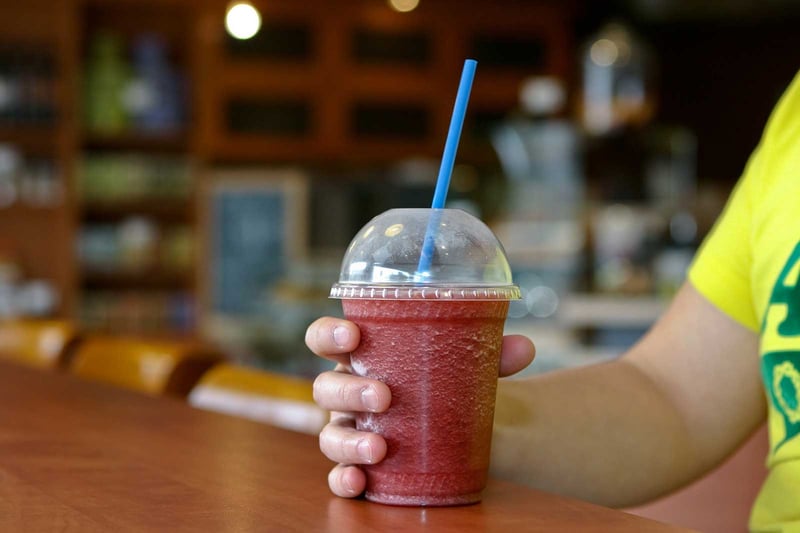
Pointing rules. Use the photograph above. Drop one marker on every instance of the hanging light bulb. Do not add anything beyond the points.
(242, 20)
(403, 6)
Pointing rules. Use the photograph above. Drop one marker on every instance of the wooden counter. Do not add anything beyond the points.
(82, 456)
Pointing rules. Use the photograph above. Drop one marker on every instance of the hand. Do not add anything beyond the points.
(344, 394)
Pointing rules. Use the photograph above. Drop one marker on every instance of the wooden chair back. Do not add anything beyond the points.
(276, 399)
(38, 343)
(150, 366)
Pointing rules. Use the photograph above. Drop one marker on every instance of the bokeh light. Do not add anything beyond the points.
(403, 6)
(242, 20)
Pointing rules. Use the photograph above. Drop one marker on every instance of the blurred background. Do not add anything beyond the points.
(195, 169)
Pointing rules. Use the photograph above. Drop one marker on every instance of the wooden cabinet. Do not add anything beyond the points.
(362, 83)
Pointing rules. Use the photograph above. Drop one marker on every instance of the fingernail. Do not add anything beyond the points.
(369, 399)
(340, 336)
(364, 451)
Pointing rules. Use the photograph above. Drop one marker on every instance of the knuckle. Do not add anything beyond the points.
(338, 483)
(317, 335)
(351, 394)
(313, 333)
(337, 447)
(344, 395)
(318, 388)
(327, 442)
(310, 336)
(330, 391)
(321, 337)
(334, 479)
(348, 450)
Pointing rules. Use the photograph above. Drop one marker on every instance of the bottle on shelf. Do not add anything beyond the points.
(154, 97)
(107, 75)
(541, 224)
(27, 86)
(617, 88)
(10, 163)
(33, 181)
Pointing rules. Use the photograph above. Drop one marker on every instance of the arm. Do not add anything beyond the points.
(620, 433)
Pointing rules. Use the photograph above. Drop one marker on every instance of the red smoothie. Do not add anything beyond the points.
(440, 358)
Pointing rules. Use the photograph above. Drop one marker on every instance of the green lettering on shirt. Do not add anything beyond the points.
(779, 369)
(788, 295)
(782, 381)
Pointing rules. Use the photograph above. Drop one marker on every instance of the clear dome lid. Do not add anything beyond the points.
(425, 253)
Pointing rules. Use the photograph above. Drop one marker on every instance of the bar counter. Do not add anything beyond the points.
(83, 456)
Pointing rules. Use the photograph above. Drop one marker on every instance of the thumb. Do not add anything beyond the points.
(517, 353)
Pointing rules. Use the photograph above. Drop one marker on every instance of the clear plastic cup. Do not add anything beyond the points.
(433, 334)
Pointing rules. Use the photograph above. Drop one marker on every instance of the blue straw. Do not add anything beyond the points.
(454, 134)
(446, 167)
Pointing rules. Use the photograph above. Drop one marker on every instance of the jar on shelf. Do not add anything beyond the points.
(617, 85)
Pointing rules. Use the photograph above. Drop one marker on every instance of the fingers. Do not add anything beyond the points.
(347, 481)
(340, 391)
(518, 352)
(342, 443)
(333, 338)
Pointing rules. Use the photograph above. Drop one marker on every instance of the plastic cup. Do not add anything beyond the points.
(434, 338)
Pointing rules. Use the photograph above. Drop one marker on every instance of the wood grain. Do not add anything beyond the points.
(83, 456)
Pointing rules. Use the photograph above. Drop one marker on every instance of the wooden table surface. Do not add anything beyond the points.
(81, 456)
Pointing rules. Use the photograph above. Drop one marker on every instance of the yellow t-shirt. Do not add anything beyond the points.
(748, 267)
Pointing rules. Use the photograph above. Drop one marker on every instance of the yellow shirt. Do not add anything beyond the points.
(748, 267)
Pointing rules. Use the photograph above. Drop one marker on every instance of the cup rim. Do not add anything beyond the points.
(345, 291)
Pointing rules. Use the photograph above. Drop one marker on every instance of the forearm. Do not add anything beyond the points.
(679, 402)
(601, 433)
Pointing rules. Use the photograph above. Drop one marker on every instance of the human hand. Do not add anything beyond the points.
(345, 394)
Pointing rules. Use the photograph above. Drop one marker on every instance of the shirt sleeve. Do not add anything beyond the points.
(721, 270)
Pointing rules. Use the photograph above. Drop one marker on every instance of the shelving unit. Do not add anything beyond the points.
(347, 87)
(136, 179)
(35, 126)
(163, 211)
(611, 311)
(364, 84)
(136, 278)
(34, 138)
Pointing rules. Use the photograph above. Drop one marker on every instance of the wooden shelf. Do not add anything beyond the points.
(19, 209)
(137, 141)
(149, 278)
(610, 311)
(166, 210)
(388, 80)
(30, 138)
